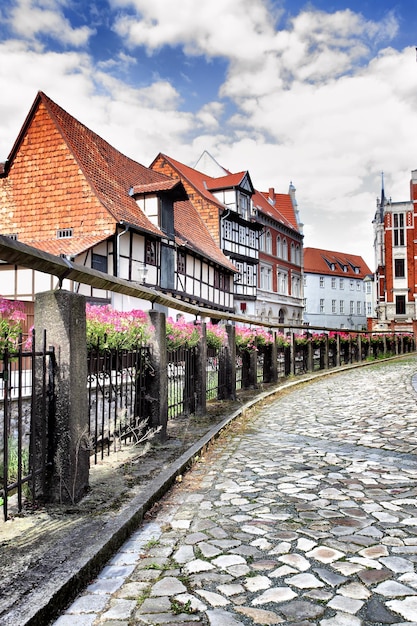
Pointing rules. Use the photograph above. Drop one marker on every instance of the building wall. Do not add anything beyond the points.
(43, 178)
(209, 211)
(318, 291)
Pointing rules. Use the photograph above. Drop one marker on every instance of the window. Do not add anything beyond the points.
(282, 281)
(252, 239)
(242, 234)
(265, 278)
(266, 242)
(181, 265)
(227, 230)
(244, 203)
(399, 268)
(284, 250)
(292, 257)
(342, 283)
(342, 306)
(352, 284)
(398, 219)
(64, 233)
(251, 272)
(333, 306)
(369, 309)
(359, 307)
(321, 305)
(99, 262)
(150, 252)
(279, 247)
(295, 286)
(368, 288)
(352, 307)
(400, 305)
(297, 255)
(359, 285)
(333, 282)
(322, 282)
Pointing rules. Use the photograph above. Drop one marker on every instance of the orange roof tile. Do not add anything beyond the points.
(282, 210)
(318, 261)
(192, 233)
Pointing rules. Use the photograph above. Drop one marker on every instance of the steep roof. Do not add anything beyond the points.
(202, 182)
(282, 210)
(110, 173)
(114, 179)
(318, 261)
(191, 231)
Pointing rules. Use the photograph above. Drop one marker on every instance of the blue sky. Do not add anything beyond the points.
(322, 94)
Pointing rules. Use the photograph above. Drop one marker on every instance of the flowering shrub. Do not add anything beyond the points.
(282, 340)
(181, 334)
(11, 318)
(251, 339)
(110, 329)
(216, 336)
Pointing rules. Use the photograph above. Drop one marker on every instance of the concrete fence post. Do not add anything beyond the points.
(157, 393)
(227, 366)
(200, 373)
(62, 313)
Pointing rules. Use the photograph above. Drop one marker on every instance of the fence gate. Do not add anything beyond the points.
(25, 452)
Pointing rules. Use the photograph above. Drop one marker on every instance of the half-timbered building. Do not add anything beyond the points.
(223, 201)
(65, 190)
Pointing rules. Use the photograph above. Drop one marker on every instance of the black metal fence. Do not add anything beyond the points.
(117, 383)
(119, 404)
(26, 454)
(181, 382)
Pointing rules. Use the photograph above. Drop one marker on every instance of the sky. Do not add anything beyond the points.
(320, 94)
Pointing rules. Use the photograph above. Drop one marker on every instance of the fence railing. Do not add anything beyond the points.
(121, 393)
(25, 451)
(117, 398)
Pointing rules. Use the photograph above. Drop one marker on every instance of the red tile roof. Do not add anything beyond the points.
(282, 210)
(109, 177)
(318, 261)
(190, 230)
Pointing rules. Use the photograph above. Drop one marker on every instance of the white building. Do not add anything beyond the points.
(334, 289)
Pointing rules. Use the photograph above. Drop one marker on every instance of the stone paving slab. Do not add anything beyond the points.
(306, 514)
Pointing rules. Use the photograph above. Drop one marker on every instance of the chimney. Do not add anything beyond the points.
(271, 195)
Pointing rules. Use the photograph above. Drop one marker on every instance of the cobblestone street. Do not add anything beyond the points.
(304, 513)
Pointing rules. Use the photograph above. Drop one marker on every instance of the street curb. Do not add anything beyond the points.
(44, 604)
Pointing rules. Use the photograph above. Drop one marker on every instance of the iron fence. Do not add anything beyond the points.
(117, 381)
(181, 381)
(25, 450)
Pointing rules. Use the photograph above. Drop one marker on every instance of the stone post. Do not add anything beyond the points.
(62, 314)
(201, 374)
(227, 366)
(157, 394)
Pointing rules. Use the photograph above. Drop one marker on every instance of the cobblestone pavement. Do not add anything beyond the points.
(304, 514)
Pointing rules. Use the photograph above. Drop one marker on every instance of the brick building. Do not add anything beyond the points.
(395, 246)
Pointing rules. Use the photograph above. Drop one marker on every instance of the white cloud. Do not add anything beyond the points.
(318, 101)
(31, 18)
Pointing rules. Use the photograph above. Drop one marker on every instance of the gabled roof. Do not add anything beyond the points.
(203, 183)
(282, 210)
(318, 261)
(229, 181)
(191, 232)
(109, 172)
(115, 179)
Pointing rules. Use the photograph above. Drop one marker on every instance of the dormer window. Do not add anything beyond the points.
(64, 233)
